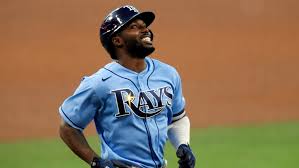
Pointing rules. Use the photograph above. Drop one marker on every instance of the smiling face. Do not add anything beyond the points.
(136, 38)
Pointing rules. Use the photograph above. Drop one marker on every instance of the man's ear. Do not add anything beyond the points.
(117, 41)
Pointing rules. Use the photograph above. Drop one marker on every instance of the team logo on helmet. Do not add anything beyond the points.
(131, 8)
(116, 18)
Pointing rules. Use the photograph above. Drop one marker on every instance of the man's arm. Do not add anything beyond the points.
(179, 132)
(76, 141)
(179, 136)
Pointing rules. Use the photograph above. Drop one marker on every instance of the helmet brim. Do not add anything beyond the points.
(147, 17)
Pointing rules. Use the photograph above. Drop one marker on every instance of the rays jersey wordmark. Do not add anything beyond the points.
(149, 103)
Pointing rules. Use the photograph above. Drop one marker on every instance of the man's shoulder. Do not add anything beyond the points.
(102, 72)
(160, 65)
(97, 78)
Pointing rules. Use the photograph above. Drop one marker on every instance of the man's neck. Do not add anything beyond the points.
(134, 64)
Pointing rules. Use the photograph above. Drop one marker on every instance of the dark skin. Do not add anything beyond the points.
(124, 43)
(77, 142)
(133, 33)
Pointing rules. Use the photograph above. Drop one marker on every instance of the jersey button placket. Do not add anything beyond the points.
(139, 78)
(142, 88)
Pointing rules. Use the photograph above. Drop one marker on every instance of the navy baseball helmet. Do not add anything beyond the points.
(118, 18)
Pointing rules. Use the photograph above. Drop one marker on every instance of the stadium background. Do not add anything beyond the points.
(238, 59)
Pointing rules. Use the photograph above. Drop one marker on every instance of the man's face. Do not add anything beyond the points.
(137, 39)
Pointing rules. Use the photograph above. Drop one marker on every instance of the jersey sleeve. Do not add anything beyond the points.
(79, 109)
(178, 102)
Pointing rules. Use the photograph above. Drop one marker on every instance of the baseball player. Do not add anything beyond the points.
(136, 102)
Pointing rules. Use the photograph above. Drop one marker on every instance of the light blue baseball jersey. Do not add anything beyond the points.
(131, 110)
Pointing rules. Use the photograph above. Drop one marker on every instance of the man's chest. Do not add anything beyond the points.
(142, 98)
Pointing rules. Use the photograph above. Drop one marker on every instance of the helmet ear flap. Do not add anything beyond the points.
(152, 34)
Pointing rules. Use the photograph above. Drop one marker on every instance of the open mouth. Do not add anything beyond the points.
(147, 40)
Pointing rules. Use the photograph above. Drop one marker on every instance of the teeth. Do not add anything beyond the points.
(147, 39)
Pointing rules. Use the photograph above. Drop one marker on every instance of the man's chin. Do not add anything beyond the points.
(144, 52)
(148, 50)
